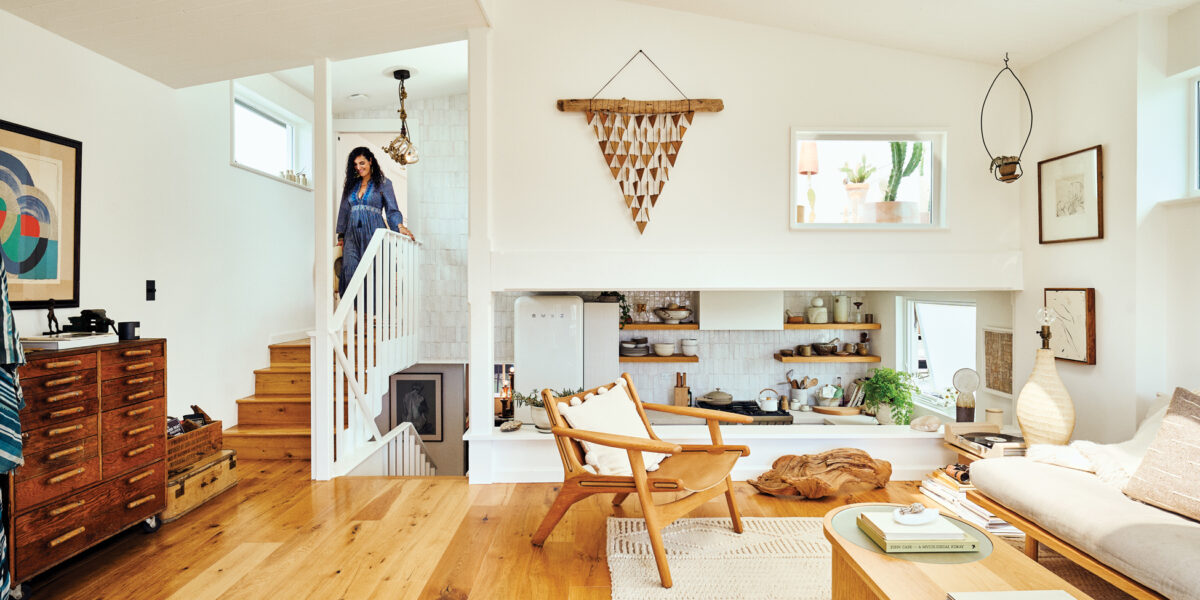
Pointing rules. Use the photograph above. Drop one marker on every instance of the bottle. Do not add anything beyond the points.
(840, 391)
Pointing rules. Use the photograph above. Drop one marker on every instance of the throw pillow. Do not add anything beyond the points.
(1169, 476)
(611, 412)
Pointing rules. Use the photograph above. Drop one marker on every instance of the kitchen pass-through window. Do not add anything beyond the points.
(940, 341)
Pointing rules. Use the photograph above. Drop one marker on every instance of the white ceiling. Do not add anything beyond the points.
(968, 29)
(189, 42)
(439, 70)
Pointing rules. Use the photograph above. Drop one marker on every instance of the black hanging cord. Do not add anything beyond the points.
(660, 72)
(985, 99)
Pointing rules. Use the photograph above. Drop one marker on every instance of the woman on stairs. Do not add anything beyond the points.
(367, 198)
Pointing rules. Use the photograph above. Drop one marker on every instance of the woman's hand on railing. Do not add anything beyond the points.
(405, 231)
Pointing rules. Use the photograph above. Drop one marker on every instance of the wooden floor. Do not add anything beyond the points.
(279, 535)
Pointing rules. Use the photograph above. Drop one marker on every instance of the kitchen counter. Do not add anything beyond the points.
(798, 418)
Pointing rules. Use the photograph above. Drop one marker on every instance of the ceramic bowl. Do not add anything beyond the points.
(673, 316)
(664, 349)
(628, 345)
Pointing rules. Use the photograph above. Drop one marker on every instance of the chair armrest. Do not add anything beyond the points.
(702, 413)
(618, 441)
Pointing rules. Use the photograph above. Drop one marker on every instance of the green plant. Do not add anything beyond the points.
(859, 174)
(535, 397)
(626, 313)
(892, 387)
(899, 169)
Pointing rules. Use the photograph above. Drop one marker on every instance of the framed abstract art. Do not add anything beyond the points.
(40, 182)
(1071, 197)
(1073, 333)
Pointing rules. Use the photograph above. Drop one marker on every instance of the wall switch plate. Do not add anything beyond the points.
(150, 291)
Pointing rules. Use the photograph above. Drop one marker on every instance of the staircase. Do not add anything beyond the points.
(274, 422)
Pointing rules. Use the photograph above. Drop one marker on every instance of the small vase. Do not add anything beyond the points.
(856, 196)
(541, 419)
(965, 414)
(883, 414)
(1045, 412)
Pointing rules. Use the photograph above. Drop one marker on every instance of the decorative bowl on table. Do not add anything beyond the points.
(664, 349)
(672, 316)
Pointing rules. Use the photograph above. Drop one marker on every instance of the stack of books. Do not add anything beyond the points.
(941, 535)
(952, 495)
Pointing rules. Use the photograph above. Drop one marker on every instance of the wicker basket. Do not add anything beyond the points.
(185, 449)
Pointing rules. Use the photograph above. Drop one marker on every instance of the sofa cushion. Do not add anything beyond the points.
(1169, 476)
(1152, 546)
(611, 411)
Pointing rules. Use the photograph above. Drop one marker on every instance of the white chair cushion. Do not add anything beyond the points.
(610, 412)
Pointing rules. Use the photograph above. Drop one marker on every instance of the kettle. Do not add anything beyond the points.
(768, 403)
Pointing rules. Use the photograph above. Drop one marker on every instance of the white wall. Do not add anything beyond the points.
(230, 250)
(1181, 290)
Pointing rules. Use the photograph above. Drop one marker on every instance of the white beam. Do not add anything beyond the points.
(321, 392)
(479, 260)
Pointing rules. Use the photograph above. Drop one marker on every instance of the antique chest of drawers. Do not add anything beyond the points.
(94, 432)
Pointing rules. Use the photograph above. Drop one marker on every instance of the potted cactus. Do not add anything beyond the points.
(891, 210)
(856, 187)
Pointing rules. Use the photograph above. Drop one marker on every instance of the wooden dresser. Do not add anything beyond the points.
(94, 429)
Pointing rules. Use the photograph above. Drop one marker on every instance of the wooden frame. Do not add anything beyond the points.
(416, 403)
(702, 470)
(1067, 323)
(1084, 182)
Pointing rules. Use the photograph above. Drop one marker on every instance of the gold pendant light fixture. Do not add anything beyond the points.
(402, 149)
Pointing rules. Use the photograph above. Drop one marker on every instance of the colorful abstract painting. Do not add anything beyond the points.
(39, 216)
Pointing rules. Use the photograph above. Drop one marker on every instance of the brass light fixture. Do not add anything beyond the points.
(402, 149)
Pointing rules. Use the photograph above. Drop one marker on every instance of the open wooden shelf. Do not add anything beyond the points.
(832, 325)
(654, 358)
(659, 326)
(832, 358)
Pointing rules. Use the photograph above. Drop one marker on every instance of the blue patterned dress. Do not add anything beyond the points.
(359, 217)
(11, 403)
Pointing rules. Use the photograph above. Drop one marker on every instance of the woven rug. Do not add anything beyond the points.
(774, 558)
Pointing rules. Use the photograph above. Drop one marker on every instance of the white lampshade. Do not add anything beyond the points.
(808, 158)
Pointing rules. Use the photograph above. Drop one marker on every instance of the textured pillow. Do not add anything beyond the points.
(1169, 476)
(611, 412)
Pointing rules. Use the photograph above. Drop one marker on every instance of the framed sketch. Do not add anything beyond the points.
(417, 398)
(1071, 197)
(40, 181)
(997, 361)
(1073, 333)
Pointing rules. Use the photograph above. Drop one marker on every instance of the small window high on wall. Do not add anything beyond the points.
(940, 339)
(268, 139)
(891, 180)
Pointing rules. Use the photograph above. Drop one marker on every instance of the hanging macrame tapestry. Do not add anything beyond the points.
(640, 141)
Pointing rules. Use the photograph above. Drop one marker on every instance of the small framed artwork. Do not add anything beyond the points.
(40, 182)
(417, 398)
(1073, 333)
(1071, 197)
(997, 356)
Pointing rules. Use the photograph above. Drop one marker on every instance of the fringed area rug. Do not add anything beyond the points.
(774, 558)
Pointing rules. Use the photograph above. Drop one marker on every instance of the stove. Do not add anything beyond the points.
(760, 416)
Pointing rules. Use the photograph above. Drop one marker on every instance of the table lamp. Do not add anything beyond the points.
(1045, 412)
(808, 166)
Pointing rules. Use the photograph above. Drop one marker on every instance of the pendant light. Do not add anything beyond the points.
(402, 149)
(1006, 168)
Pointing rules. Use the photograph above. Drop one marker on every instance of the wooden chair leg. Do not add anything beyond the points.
(566, 498)
(619, 498)
(734, 515)
(650, 512)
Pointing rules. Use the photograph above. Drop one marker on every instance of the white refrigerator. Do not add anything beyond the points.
(562, 342)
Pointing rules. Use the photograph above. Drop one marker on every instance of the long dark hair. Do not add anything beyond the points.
(352, 178)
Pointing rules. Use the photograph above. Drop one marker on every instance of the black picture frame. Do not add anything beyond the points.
(417, 398)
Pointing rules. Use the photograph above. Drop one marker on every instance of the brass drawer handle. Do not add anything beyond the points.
(142, 394)
(137, 451)
(67, 452)
(67, 507)
(139, 502)
(137, 411)
(132, 353)
(63, 364)
(67, 475)
(139, 477)
(139, 366)
(62, 430)
(58, 414)
(66, 536)
(64, 396)
(63, 381)
(137, 380)
(141, 429)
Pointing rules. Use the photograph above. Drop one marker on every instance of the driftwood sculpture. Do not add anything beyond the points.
(825, 474)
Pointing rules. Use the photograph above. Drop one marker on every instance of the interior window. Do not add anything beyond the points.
(941, 340)
(261, 141)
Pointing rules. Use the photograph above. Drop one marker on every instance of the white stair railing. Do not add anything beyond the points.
(373, 333)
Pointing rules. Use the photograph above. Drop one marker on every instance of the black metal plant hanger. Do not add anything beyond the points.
(1006, 168)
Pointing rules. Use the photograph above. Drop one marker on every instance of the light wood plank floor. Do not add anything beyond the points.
(279, 535)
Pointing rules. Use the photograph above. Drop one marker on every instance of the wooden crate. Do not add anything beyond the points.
(185, 449)
(206, 479)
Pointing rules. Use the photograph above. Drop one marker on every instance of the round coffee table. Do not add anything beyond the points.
(861, 572)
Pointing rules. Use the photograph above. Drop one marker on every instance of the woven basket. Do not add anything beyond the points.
(186, 449)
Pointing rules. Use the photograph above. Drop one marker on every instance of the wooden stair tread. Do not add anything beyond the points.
(304, 343)
(266, 430)
(289, 369)
(274, 399)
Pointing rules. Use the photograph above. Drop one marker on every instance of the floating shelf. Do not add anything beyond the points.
(832, 325)
(659, 326)
(853, 358)
(654, 358)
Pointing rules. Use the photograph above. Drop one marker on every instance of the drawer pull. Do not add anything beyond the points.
(139, 502)
(67, 508)
(66, 536)
(67, 452)
(67, 475)
(137, 380)
(132, 353)
(63, 364)
(63, 381)
(64, 396)
(141, 394)
(62, 430)
(58, 414)
(141, 429)
(139, 477)
(139, 366)
(139, 450)
(137, 411)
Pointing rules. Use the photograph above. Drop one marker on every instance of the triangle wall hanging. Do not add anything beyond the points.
(640, 140)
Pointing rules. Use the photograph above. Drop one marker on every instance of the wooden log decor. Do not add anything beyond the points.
(841, 470)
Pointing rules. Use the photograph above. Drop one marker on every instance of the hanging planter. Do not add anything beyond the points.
(1006, 168)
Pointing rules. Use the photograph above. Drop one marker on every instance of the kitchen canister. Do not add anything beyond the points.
(995, 416)
(841, 309)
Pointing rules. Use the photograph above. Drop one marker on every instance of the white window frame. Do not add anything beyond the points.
(1194, 139)
(937, 175)
(909, 354)
(299, 133)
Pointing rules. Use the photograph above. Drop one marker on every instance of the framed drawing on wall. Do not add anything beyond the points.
(1073, 333)
(1071, 197)
(417, 398)
(997, 361)
(40, 182)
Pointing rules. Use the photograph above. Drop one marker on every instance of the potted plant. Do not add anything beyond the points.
(537, 407)
(888, 394)
(626, 316)
(857, 187)
(892, 210)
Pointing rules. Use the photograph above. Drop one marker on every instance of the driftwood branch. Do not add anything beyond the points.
(641, 107)
(825, 474)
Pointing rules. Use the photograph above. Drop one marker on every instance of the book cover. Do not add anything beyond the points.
(953, 545)
(939, 529)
